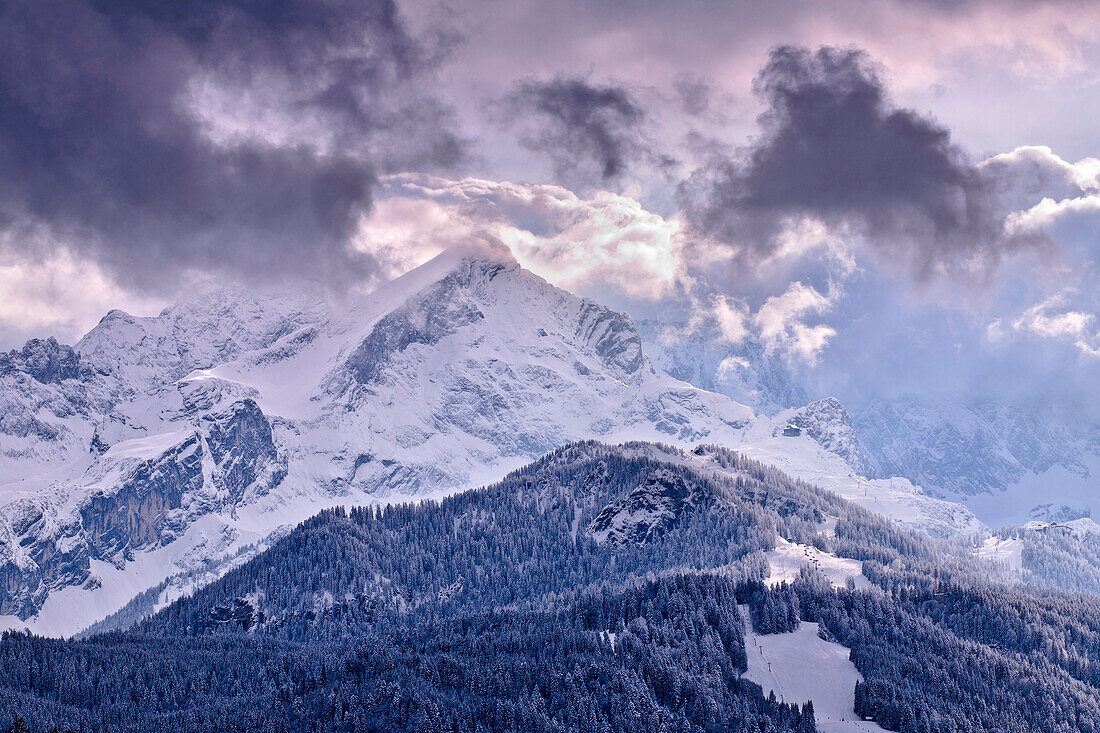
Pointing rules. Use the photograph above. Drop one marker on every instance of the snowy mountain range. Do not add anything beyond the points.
(161, 447)
(1009, 463)
(1010, 459)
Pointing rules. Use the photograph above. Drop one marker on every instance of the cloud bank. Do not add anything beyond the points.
(833, 148)
(233, 137)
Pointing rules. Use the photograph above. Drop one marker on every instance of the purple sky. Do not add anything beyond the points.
(899, 194)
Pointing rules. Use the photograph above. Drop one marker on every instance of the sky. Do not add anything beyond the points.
(889, 196)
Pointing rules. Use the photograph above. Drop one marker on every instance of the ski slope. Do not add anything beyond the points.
(788, 558)
(802, 666)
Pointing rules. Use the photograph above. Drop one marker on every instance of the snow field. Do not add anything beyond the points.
(802, 666)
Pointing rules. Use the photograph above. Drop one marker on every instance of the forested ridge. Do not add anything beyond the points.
(533, 605)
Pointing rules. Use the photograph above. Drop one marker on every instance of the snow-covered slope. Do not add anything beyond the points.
(160, 443)
(160, 446)
(801, 666)
(788, 558)
(805, 457)
(1009, 464)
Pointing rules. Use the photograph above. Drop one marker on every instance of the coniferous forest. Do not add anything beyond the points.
(594, 590)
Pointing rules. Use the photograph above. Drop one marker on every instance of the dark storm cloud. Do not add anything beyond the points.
(694, 94)
(582, 127)
(832, 146)
(101, 147)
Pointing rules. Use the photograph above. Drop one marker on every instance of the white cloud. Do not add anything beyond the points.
(403, 233)
(1038, 164)
(780, 321)
(1041, 189)
(1048, 212)
(604, 241)
(731, 316)
(1052, 319)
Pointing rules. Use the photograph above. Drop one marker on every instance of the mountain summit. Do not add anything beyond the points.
(159, 444)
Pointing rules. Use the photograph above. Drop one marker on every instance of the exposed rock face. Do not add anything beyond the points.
(117, 522)
(611, 336)
(242, 447)
(652, 508)
(42, 558)
(46, 361)
(828, 422)
(143, 504)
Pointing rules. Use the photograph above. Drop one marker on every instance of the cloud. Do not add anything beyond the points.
(1031, 173)
(1052, 319)
(160, 139)
(832, 147)
(605, 244)
(781, 325)
(731, 316)
(63, 296)
(1048, 212)
(586, 129)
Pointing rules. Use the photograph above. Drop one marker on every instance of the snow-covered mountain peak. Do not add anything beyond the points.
(491, 304)
(828, 422)
(199, 332)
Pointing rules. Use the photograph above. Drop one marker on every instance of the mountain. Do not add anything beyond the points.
(1009, 463)
(156, 444)
(162, 451)
(512, 608)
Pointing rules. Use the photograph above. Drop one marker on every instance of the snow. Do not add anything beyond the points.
(149, 447)
(1083, 526)
(1009, 552)
(897, 498)
(511, 368)
(801, 666)
(788, 558)
(1057, 485)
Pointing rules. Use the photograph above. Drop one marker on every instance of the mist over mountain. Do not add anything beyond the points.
(444, 366)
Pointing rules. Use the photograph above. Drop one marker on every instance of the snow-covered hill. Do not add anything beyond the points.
(1008, 463)
(160, 446)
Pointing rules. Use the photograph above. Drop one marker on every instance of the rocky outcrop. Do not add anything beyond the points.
(47, 361)
(828, 422)
(243, 450)
(230, 456)
(116, 523)
(611, 336)
(652, 508)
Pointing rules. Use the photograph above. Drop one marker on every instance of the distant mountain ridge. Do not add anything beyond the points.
(161, 447)
(157, 443)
